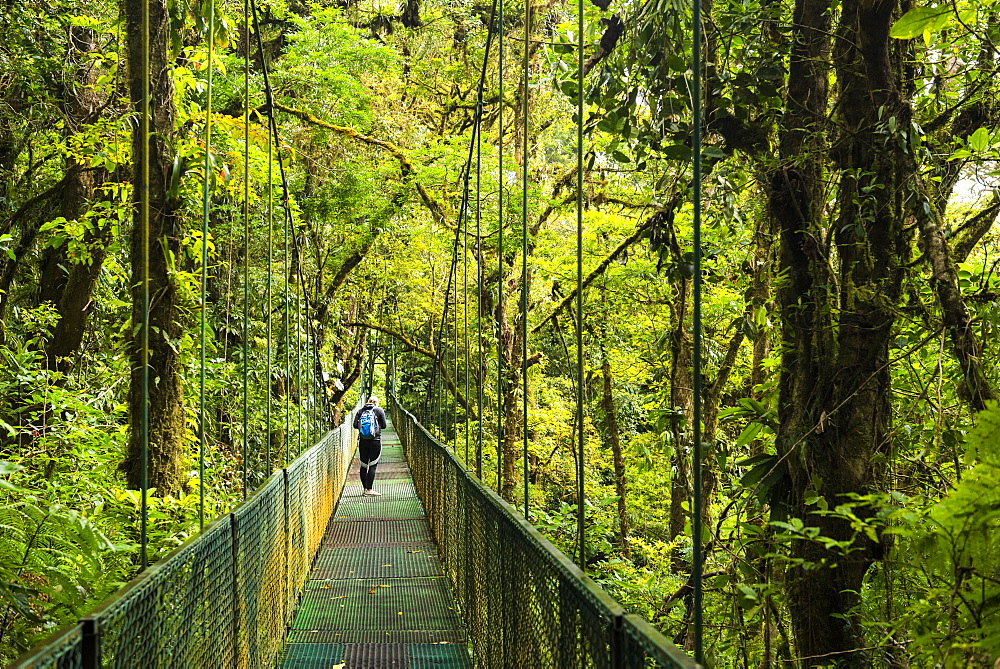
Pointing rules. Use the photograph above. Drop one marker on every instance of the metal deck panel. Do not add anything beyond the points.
(378, 636)
(379, 604)
(398, 532)
(374, 562)
(376, 596)
(375, 508)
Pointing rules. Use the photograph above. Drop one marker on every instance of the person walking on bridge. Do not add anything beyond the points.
(369, 423)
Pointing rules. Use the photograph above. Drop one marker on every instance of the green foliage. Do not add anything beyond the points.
(326, 66)
(926, 21)
(956, 550)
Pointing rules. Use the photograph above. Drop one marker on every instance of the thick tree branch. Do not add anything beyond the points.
(955, 313)
(53, 191)
(621, 248)
(429, 353)
(406, 166)
(970, 232)
(609, 40)
(340, 277)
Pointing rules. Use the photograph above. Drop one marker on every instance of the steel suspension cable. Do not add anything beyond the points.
(462, 229)
(246, 248)
(286, 204)
(287, 335)
(206, 193)
(311, 337)
(500, 295)
(298, 364)
(442, 331)
(580, 513)
(696, 524)
(524, 259)
(465, 316)
(479, 291)
(145, 243)
(478, 142)
(269, 290)
(269, 95)
(454, 354)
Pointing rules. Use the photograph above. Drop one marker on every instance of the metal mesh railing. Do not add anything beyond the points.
(224, 598)
(62, 650)
(524, 603)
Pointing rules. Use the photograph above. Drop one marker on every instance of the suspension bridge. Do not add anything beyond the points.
(307, 572)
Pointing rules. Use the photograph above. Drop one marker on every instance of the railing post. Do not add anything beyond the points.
(90, 646)
(237, 599)
(618, 641)
(288, 546)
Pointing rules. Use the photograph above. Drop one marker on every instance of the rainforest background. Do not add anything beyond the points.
(852, 440)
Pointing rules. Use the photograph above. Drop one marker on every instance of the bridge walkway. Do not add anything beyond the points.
(377, 596)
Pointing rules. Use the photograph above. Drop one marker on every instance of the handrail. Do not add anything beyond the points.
(524, 602)
(226, 596)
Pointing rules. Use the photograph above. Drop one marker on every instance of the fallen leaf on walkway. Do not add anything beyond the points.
(372, 591)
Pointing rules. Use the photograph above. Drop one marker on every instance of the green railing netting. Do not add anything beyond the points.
(226, 597)
(524, 603)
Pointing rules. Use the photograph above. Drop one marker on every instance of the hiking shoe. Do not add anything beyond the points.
(373, 493)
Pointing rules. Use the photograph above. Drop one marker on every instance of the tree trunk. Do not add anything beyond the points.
(614, 441)
(510, 344)
(166, 398)
(836, 305)
(681, 401)
(976, 389)
(66, 282)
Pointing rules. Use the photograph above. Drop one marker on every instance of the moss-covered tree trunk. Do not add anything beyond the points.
(69, 283)
(842, 275)
(681, 402)
(166, 398)
(510, 346)
(613, 434)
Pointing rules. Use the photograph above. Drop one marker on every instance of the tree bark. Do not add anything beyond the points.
(614, 441)
(682, 402)
(66, 282)
(510, 345)
(166, 397)
(976, 389)
(834, 395)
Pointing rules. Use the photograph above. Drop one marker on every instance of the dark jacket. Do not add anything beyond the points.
(379, 416)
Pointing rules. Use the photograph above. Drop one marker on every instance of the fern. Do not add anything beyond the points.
(958, 544)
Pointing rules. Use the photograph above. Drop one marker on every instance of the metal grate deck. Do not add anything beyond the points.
(376, 595)
(457, 636)
(385, 562)
(394, 488)
(375, 508)
(375, 655)
(401, 532)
